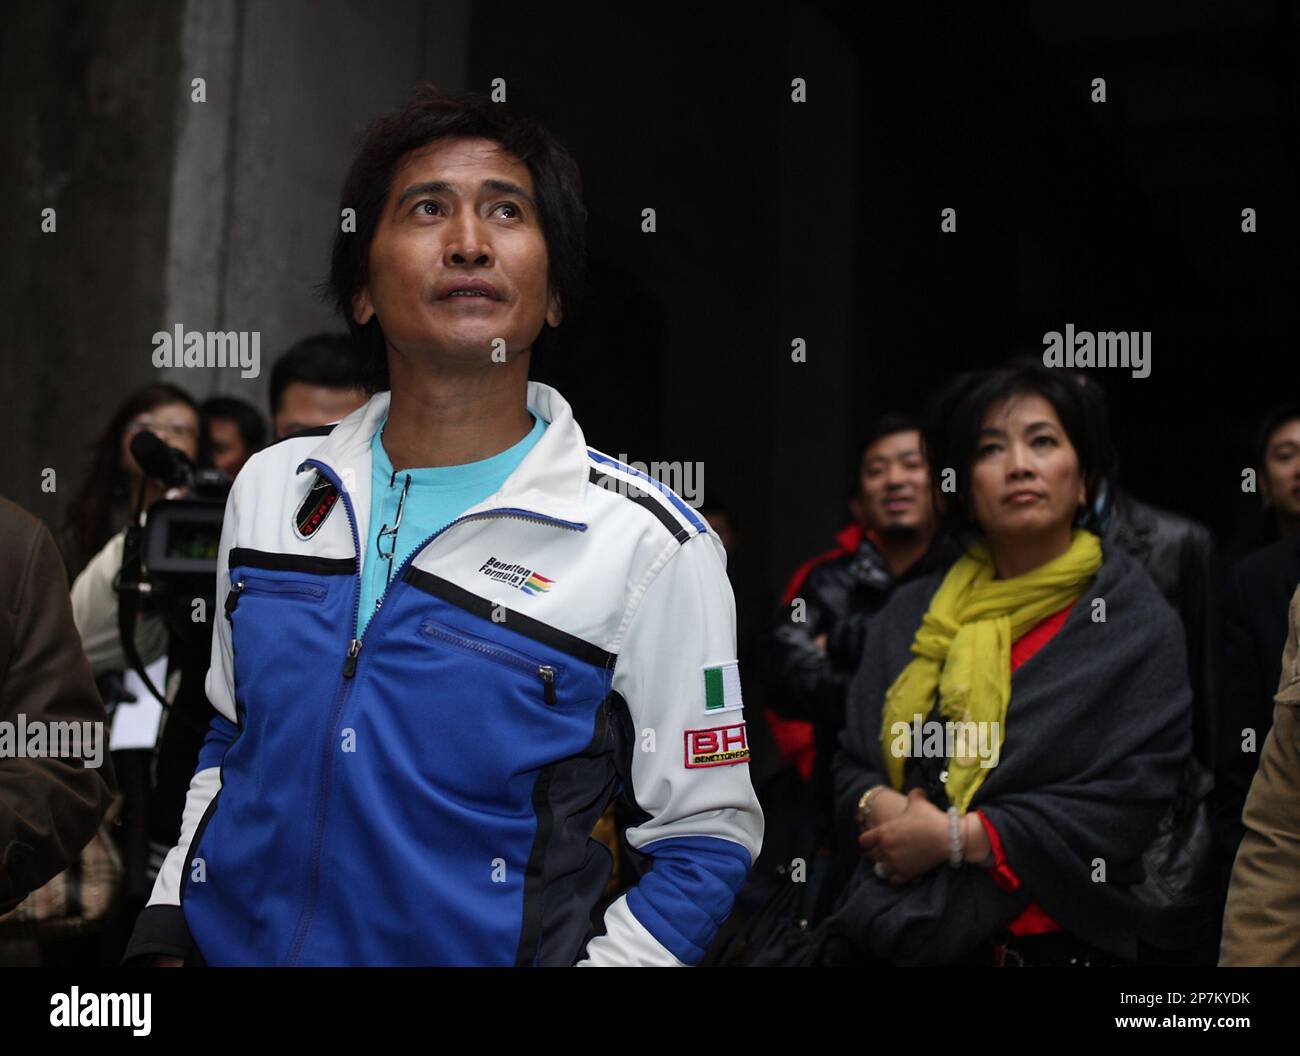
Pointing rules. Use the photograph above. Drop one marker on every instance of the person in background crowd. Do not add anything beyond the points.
(318, 381)
(813, 648)
(1262, 923)
(1257, 599)
(50, 807)
(178, 423)
(236, 431)
(1277, 467)
(1062, 766)
(108, 494)
(173, 417)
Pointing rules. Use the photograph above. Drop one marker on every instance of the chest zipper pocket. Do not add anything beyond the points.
(544, 673)
(261, 585)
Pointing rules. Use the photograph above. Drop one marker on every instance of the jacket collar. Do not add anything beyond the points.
(550, 482)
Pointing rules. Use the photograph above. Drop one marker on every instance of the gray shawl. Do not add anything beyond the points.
(1097, 729)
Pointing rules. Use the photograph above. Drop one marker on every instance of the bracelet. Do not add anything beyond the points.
(865, 804)
(956, 845)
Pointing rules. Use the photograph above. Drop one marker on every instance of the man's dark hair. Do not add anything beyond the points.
(330, 360)
(432, 115)
(1273, 421)
(248, 420)
(956, 416)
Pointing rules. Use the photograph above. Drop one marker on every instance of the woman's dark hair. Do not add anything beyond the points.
(89, 522)
(956, 416)
(429, 116)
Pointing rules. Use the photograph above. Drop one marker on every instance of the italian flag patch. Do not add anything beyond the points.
(722, 687)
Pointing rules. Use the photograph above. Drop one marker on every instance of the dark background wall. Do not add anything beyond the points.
(775, 220)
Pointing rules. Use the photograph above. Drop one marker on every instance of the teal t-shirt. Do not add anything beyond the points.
(435, 498)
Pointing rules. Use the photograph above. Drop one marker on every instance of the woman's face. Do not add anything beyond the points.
(1025, 480)
(175, 424)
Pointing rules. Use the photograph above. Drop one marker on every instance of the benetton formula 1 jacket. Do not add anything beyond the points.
(426, 794)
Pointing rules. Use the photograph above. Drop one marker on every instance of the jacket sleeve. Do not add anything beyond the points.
(94, 607)
(798, 669)
(1260, 922)
(702, 827)
(49, 806)
(161, 927)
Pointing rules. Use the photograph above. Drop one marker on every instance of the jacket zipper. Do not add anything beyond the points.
(545, 672)
(350, 669)
(354, 648)
(258, 585)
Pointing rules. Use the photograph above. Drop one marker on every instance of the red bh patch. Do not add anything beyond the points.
(717, 746)
(315, 507)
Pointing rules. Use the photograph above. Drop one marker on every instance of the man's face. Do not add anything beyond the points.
(229, 452)
(894, 493)
(458, 260)
(1282, 469)
(304, 406)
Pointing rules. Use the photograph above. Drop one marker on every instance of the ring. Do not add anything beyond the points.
(881, 871)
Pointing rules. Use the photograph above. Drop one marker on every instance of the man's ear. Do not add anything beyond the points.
(554, 310)
(362, 310)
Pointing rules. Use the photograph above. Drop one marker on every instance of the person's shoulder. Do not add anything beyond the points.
(280, 456)
(1124, 583)
(18, 528)
(1174, 527)
(634, 492)
(1277, 562)
(908, 601)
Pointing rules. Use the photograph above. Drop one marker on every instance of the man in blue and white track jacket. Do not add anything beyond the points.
(425, 699)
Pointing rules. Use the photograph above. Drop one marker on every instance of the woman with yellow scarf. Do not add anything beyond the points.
(1019, 722)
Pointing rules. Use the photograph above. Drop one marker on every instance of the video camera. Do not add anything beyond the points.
(170, 562)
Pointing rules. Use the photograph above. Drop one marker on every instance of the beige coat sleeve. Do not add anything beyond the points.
(1261, 925)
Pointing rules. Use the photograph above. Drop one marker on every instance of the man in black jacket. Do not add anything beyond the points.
(1255, 606)
(816, 641)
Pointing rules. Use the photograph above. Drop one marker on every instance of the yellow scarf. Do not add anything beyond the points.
(963, 651)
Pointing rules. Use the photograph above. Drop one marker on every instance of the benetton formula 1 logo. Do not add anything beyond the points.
(520, 576)
(718, 746)
(315, 507)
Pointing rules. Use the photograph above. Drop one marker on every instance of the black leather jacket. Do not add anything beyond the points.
(840, 595)
(1180, 555)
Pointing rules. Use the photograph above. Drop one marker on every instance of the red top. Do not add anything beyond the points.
(1033, 921)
